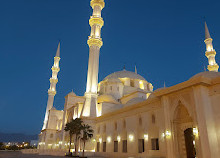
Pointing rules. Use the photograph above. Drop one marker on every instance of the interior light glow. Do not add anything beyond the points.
(131, 137)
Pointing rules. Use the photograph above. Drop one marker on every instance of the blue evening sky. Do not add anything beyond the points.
(163, 38)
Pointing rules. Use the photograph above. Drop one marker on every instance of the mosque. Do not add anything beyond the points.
(129, 118)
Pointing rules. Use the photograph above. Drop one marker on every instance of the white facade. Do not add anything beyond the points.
(130, 119)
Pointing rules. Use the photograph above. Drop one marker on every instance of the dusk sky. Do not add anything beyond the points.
(165, 39)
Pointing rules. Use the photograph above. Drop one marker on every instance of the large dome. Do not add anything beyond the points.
(125, 74)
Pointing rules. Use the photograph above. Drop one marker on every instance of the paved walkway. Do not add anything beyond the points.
(18, 154)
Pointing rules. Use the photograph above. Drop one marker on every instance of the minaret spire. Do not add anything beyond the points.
(135, 69)
(95, 43)
(58, 50)
(53, 82)
(210, 52)
(207, 34)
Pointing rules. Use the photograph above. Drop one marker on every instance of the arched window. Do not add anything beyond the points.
(153, 119)
(104, 128)
(132, 83)
(51, 135)
(98, 130)
(140, 121)
(116, 126)
(124, 124)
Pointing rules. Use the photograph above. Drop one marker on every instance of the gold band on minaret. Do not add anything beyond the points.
(95, 42)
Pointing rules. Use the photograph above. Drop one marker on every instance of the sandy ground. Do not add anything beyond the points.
(18, 154)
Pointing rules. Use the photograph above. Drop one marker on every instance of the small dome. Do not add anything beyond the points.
(72, 93)
(206, 74)
(124, 74)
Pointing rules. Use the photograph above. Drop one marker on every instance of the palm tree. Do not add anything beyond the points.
(87, 134)
(74, 127)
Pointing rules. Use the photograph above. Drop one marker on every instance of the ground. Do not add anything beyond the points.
(18, 154)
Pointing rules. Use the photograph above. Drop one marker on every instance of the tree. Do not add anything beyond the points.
(74, 127)
(2, 146)
(87, 133)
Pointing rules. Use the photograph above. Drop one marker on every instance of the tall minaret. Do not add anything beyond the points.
(210, 52)
(95, 43)
(53, 82)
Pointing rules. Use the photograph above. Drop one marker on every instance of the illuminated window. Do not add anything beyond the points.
(141, 84)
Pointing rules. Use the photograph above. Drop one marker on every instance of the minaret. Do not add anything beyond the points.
(210, 52)
(95, 43)
(53, 82)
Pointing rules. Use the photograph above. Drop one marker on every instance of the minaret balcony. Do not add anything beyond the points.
(96, 21)
(213, 67)
(51, 92)
(53, 80)
(100, 3)
(57, 69)
(95, 42)
(210, 53)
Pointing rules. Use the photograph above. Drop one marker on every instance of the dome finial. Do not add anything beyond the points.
(58, 50)
(207, 34)
(124, 68)
(135, 69)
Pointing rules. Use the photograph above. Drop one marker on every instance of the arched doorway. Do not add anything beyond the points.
(183, 133)
(190, 143)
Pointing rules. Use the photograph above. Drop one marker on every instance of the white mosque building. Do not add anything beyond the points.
(132, 120)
